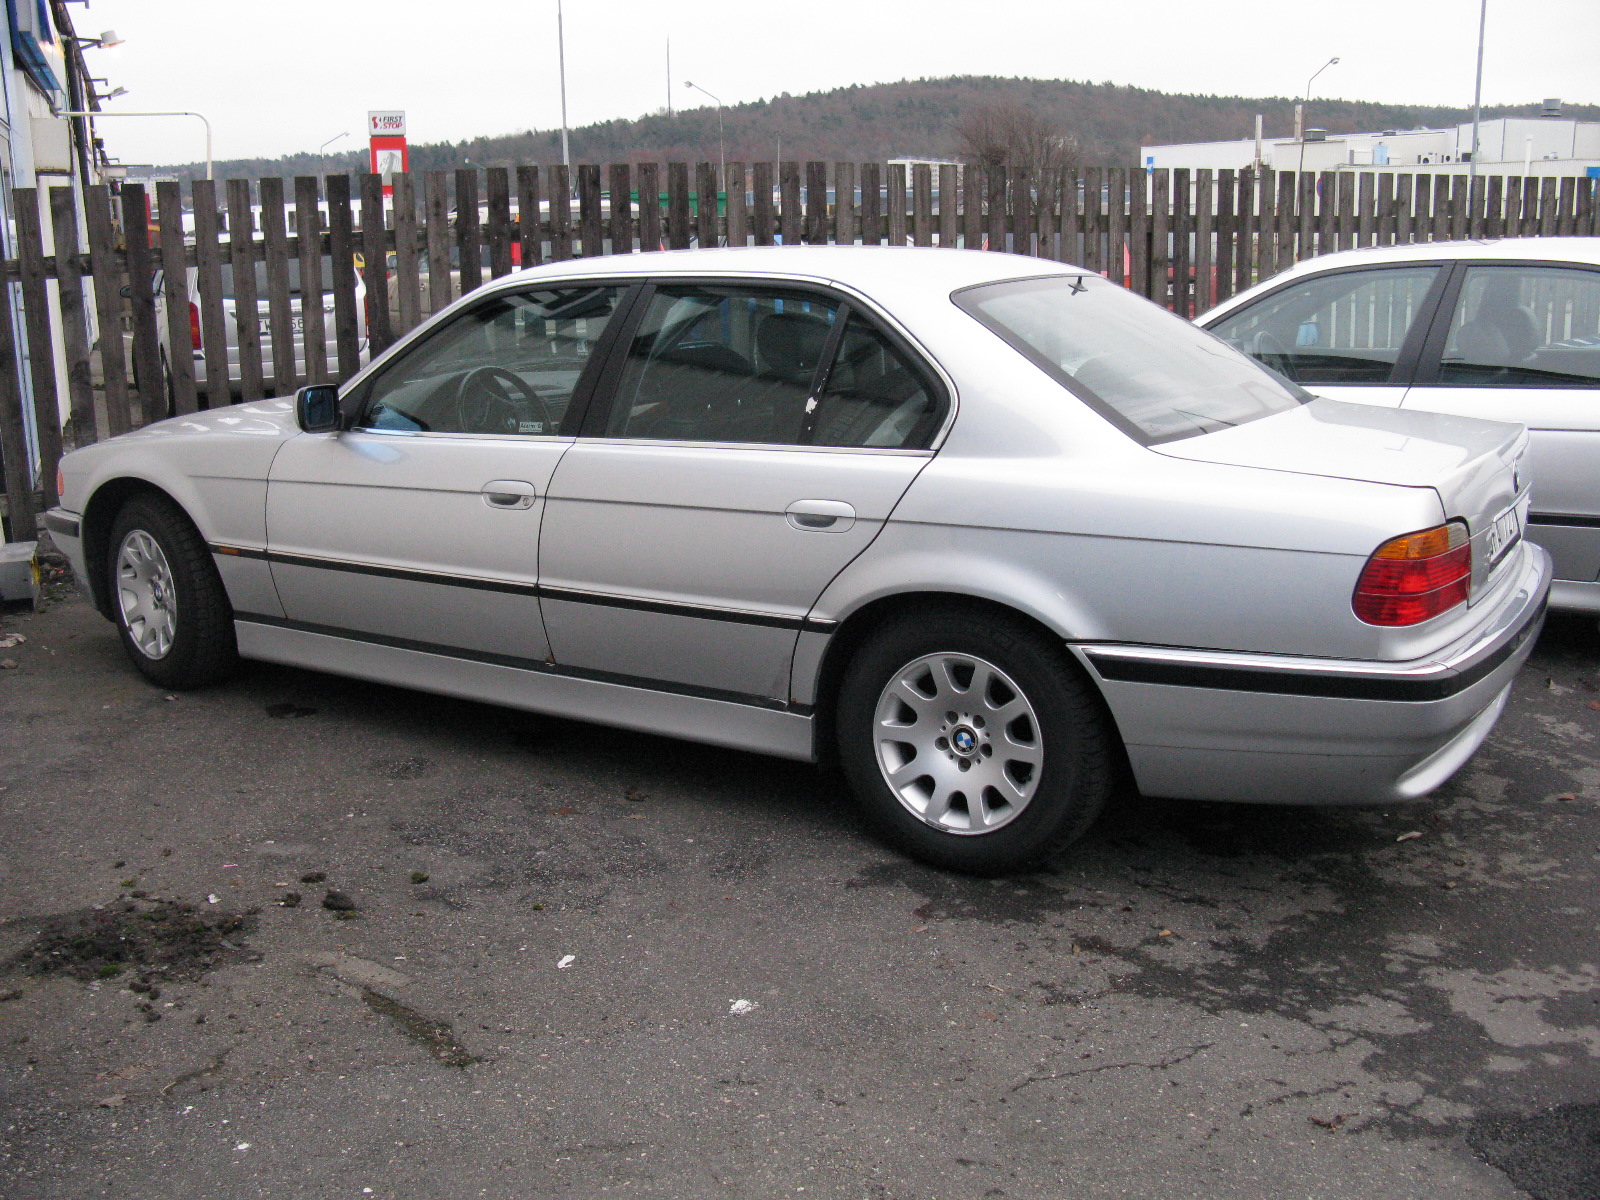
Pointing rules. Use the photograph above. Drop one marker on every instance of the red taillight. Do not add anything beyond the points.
(194, 326)
(1412, 578)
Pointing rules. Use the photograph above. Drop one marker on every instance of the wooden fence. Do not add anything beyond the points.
(1185, 239)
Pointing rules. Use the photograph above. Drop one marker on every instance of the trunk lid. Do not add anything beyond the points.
(1476, 467)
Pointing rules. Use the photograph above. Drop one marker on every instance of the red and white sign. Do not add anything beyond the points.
(386, 142)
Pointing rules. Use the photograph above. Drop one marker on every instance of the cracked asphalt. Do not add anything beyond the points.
(534, 995)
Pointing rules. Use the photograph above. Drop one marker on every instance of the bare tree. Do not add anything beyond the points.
(1015, 137)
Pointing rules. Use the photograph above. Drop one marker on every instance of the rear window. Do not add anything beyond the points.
(1153, 375)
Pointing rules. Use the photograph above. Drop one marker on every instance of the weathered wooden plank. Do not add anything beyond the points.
(922, 205)
(649, 176)
(342, 250)
(1366, 209)
(972, 226)
(705, 209)
(498, 231)
(736, 183)
(1022, 212)
(764, 228)
(1245, 250)
(41, 346)
(895, 204)
(1204, 294)
(1383, 210)
(1345, 231)
(997, 209)
(375, 254)
(1116, 189)
(107, 276)
(1494, 201)
(1226, 222)
(280, 312)
(871, 204)
(591, 217)
(21, 510)
(816, 230)
(1327, 211)
(1138, 258)
(469, 231)
(436, 234)
(560, 213)
(246, 300)
(1405, 210)
(208, 282)
(407, 276)
(789, 202)
(1161, 232)
(1460, 207)
(82, 424)
(844, 204)
(621, 187)
(313, 284)
(949, 204)
(530, 216)
(147, 372)
(1181, 273)
(1088, 185)
(1567, 207)
(1422, 212)
(678, 234)
(1286, 214)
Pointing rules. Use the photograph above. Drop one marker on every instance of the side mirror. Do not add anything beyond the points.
(316, 409)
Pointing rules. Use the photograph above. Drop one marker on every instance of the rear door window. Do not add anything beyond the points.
(1524, 326)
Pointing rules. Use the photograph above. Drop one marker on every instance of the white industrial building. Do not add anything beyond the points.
(1549, 145)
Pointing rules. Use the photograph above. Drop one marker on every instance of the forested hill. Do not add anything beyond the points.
(916, 118)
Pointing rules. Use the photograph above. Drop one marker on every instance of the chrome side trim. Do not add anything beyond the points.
(532, 665)
(477, 583)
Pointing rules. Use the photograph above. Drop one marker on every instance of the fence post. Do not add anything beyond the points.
(649, 177)
(922, 205)
(560, 213)
(375, 253)
(313, 323)
(407, 278)
(342, 249)
(41, 347)
(621, 188)
(678, 206)
(949, 204)
(1161, 232)
(734, 183)
(995, 178)
(761, 184)
(147, 374)
(181, 329)
(817, 203)
(107, 278)
(436, 216)
(1139, 184)
(530, 216)
(789, 202)
(895, 202)
(280, 311)
(74, 314)
(469, 233)
(871, 204)
(497, 189)
(14, 456)
(706, 188)
(246, 313)
(590, 224)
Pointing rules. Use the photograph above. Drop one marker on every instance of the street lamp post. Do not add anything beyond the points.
(197, 116)
(1300, 112)
(561, 51)
(1477, 98)
(322, 158)
(722, 148)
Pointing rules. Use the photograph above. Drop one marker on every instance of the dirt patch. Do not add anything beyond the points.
(156, 938)
(438, 1038)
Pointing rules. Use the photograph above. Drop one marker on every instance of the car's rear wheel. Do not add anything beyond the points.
(167, 598)
(973, 742)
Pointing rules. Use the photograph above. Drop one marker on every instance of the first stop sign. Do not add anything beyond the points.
(386, 142)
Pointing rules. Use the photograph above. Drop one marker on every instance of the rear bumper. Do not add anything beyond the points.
(1278, 729)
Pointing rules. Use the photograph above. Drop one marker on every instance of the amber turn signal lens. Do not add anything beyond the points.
(1413, 578)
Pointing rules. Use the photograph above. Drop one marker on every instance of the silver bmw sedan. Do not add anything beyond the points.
(988, 532)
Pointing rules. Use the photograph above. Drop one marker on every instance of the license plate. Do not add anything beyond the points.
(1503, 535)
(297, 324)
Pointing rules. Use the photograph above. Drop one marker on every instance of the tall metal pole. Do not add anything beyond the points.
(669, 77)
(1300, 113)
(203, 121)
(561, 50)
(1477, 97)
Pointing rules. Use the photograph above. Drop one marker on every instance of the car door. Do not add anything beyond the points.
(1348, 334)
(755, 440)
(1522, 343)
(420, 527)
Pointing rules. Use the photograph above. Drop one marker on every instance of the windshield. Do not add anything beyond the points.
(1153, 375)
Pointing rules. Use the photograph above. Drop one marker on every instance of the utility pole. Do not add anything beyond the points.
(669, 77)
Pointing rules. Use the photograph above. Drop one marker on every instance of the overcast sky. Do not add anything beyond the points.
(287, 75)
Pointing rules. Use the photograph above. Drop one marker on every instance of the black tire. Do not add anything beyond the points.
(1077, 748)
(202, 649)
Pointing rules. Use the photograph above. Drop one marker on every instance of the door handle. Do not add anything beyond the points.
(508, 493)
(821, 516)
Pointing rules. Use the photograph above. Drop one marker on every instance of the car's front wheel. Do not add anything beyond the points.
(972, 742)
(166, 596)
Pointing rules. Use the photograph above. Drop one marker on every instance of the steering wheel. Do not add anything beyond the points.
(1269, 348)
(495, 400)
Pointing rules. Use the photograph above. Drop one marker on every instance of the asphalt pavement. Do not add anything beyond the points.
(566, 961)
